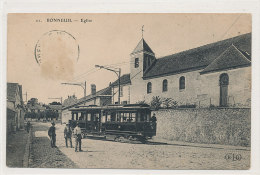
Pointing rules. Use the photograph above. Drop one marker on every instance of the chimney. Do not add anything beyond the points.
(93, 89)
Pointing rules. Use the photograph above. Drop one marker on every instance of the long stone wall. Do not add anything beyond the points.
(229, 126)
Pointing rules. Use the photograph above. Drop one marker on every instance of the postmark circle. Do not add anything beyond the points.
(55, 38)
(56, 52)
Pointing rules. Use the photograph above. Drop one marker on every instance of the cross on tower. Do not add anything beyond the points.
(143, 31)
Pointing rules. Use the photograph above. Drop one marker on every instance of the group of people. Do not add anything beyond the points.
(68, 133)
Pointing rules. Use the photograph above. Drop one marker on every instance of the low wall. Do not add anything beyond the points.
(229, 126)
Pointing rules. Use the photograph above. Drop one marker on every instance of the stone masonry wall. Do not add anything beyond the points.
(229, 126)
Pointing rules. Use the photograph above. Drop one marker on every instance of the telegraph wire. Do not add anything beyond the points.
(91, 71)
(231, 26)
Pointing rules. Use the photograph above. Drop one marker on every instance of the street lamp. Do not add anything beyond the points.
(83, 85)
(117, 71)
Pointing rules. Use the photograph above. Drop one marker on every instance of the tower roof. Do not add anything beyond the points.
(142, 46)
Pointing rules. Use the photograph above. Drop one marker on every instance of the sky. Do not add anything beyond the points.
(105, 39)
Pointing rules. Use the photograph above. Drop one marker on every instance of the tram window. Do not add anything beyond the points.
(96, 117)
(121, 117)
(148, 117)
(103, 119)
(138, 118)
(126, 117)
(132, 117)
(108, 117)
(89, 116)
(81, 116)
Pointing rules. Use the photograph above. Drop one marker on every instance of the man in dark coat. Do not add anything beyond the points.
(67, 135)
(153, 119)
(52, 135)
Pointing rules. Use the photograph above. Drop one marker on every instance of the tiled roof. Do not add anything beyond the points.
(197, 58)
(142, 46)
(230, 58)
(105, 91)
(124, 79)
(11, 91)
(70, 101)
(55, 107)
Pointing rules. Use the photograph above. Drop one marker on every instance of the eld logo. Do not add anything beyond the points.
(233, 157)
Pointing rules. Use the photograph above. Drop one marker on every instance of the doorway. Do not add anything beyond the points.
(223, 83)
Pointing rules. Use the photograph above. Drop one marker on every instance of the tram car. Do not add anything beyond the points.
(132, 121)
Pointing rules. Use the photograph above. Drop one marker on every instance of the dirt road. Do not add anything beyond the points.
(108, 154)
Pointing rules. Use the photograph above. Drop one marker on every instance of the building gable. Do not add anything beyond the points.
(231, 58)
(124, 79)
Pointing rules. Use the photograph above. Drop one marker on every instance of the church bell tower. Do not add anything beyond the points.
(142, 58)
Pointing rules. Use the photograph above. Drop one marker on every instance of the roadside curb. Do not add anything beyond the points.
(27, 155)
(214, 146)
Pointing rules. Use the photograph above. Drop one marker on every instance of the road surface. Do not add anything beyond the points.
(108, 154)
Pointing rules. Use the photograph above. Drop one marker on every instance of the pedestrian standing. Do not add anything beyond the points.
(52, 135)
(77, 135)
(67, 135)
(28, 126)
(153, 119)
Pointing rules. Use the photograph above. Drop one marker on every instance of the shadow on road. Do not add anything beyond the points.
(44, 156)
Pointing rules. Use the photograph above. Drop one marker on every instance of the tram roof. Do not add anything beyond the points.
(111, 107)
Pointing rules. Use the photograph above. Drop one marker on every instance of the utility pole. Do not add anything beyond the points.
(83, 85)
(117, 71)
(25, 96)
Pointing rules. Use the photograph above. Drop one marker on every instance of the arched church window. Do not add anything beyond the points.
(182, 83)
(149, 87)
(136, 62)
(223, 79)
(165, 86)
(223, 83)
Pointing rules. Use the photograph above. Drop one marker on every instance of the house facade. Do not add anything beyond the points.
(125, 84)
(15, 107)
(217, 74)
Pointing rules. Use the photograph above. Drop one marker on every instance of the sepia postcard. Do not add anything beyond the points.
(149, 91)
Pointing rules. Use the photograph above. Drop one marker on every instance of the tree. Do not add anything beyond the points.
(141, 102)
(50, 114)
(156, 102)
(33, 101)
(55, 103)
(169, 103)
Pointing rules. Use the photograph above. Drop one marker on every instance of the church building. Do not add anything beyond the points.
(216, 74)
